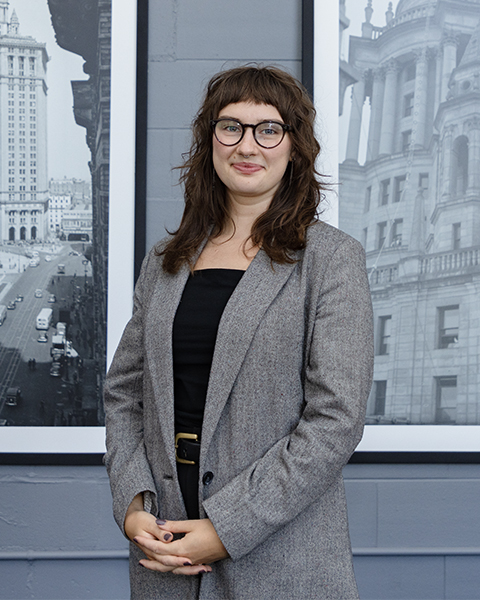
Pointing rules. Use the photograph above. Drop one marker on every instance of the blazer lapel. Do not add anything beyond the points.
(158, 342)
(253, 295)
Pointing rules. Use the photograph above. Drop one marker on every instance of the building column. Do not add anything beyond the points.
(446, 170)
(420, 99)
(375, 113)
(438, 79)
(355, 126)
(388, 112)
(473, 157)
(450, 43)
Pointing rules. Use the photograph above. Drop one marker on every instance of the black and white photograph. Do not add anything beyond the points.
(54, 190)
(409, 173)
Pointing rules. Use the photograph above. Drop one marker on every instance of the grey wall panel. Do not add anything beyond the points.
(362, 511)
(462, 577)
(62, 579)
(400, 577)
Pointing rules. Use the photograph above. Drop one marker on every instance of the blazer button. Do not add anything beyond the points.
(207, 478)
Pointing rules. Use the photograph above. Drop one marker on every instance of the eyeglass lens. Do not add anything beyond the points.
(267, 134)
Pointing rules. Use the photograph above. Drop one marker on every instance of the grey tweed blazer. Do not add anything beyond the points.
(284, 411)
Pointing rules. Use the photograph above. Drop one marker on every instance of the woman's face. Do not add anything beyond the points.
(251, 174)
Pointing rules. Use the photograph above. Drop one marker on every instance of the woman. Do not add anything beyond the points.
(237, 393)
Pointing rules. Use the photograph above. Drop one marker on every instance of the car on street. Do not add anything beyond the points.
(52, 298)
(38, 294)
(13, 395)
(11, 305)
(56, 369)
(48, 258)
(19, 298)
(43, 337)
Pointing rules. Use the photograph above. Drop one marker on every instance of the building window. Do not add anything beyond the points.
(460, 166)
(380, 396)
(381, 234)
(384, 191)
(456, 235)
(446, 399)
(384, 327)
(406, 140)
(10, 65)
(448, 325)
(399, 188)
(368, 198)
(408, 105)
(423, 181)
(32, 66)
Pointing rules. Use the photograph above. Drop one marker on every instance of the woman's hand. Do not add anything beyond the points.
(140, 526)
(199, 545)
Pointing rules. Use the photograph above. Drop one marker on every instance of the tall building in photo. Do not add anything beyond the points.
(91, 99)
(414, 203)
(23, 132)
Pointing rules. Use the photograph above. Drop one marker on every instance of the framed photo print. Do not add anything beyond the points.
(407, 136)
(68, 215)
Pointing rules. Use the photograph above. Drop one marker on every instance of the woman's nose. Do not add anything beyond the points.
(247, 145)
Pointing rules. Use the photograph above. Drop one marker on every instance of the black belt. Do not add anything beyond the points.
(187, 448)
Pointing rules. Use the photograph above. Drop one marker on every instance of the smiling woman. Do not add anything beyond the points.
(238, 391)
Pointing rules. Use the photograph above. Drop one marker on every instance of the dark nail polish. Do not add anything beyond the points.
(187, 564)
(166, 537)
(135, 540)
(202, 572)
(160, 521)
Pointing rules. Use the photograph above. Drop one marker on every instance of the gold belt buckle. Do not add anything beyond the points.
(185, 436)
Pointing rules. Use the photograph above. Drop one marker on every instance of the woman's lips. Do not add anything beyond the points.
(247, 168)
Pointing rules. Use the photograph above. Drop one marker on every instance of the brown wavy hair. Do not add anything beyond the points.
(282, 228)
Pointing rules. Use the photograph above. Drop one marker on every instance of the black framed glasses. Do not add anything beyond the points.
(267, 134)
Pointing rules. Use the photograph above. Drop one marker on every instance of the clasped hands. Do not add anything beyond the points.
(190, 555)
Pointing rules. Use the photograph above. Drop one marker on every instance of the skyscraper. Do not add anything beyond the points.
(415, 205)
(23, 132)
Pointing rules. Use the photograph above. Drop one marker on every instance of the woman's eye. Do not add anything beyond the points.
(270, 130)
(229, 127)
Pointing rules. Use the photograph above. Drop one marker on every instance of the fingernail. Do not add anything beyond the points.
(135, 540)
(201, 572)
(160, 521)
(166, 537)
(187, 564)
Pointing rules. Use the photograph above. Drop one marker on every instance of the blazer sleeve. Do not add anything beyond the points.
(300, 467)
(126, 461)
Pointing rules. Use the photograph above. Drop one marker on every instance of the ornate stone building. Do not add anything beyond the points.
(85, 29)
(23, 135)
(415, 206)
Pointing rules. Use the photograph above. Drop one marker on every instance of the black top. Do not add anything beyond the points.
(195, 327)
